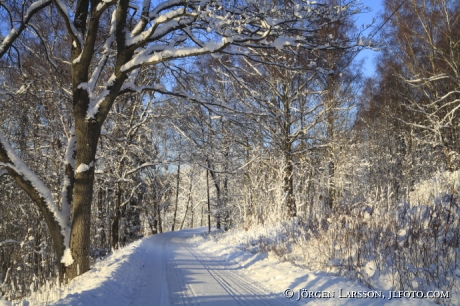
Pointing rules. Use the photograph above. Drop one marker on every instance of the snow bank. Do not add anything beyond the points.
(276, 277)
(114, 277)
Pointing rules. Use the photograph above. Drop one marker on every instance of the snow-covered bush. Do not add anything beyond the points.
(412, 245)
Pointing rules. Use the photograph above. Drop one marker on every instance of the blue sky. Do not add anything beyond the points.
(366, 18)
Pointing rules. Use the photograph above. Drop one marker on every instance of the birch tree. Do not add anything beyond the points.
(424, 39)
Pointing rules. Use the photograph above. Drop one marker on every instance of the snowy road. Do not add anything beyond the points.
(182, 275)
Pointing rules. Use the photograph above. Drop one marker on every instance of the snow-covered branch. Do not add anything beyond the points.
(14, 33)
(37, 191)
(76, 35)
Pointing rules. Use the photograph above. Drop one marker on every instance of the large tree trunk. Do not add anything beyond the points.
(87, 132)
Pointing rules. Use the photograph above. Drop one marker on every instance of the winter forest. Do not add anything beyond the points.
(120, 119)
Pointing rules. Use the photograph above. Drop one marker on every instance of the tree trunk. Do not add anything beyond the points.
(209, 204)
(202, 216)
(189, 198)
(153, 227)
(177, 197)
(330, 120)
(159, 227)
(115, 229)
(218, 195)
(191, 216)
(116, 220)
(224, 199)
(87, 132)
(449, 159)
(288, 187)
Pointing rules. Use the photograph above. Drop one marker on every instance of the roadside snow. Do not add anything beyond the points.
(276, 277)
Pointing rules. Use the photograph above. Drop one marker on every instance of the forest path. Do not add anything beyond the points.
(177, 273)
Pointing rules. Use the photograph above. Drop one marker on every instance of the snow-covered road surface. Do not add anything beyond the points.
(180, 274)
(166, 269)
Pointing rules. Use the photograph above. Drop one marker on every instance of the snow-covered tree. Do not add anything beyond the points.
(424, 40)
(102, 47)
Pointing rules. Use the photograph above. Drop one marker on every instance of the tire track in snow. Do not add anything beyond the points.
(242, 291)
(176, 281)
(177, 274)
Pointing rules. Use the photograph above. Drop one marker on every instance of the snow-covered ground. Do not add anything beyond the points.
(187, 268)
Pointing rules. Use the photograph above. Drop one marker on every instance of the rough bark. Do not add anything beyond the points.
(87, 138)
